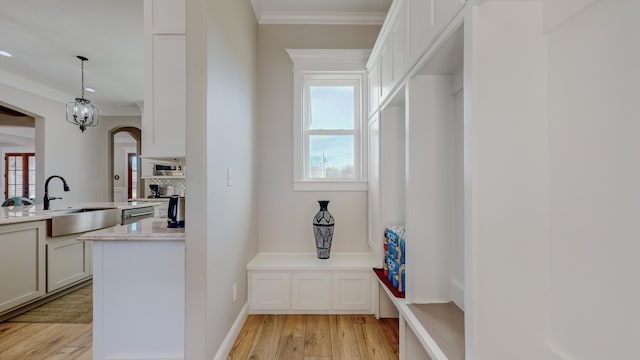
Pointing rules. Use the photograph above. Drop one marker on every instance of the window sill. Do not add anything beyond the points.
(330, 186)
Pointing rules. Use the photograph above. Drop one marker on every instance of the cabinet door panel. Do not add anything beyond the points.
(68, 261)
(374, 87)
(421, 31)
(22, 263)
(167, 16)
(444, 11)
(311, 291)
(351, 291)
(164, 118)
(269, 291)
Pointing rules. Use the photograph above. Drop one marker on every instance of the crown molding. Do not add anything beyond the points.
(320, 18)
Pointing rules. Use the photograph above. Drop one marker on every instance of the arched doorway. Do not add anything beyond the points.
(124, 163)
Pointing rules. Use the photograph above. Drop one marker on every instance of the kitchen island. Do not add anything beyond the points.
(40, 258)
(138, 291)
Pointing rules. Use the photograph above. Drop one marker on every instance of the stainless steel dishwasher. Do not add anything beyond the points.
(132, 215)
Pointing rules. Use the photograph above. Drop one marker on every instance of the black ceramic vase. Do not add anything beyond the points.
(323, 224)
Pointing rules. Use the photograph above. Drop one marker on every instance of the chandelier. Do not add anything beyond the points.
(81, 112)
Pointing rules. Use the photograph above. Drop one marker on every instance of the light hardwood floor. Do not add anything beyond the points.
(27, 341)
(316, 337)
(286, 337)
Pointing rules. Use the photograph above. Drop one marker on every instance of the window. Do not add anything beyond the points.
(328, 117)
(20, 175)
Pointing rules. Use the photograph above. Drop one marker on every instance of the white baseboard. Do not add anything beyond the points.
(163, 356)
(227, 344)
(456, 292)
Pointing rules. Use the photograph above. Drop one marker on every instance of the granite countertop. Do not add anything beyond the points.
(151, 229)
(18, 214)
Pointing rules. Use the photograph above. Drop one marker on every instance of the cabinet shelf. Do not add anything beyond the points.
(439, 327)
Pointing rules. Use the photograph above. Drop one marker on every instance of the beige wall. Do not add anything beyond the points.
(61, 149)
(284, 215)
(222, 46)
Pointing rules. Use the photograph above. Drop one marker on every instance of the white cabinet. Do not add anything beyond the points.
(164, 116)
(68, 261)
(421, 29)
(311, 291)
(269, 291)
(445, 10)
(166, 16)
(374, 85)
(301, 283)
(22, 263)
(351, 290)
(398, 42)
(386, 69)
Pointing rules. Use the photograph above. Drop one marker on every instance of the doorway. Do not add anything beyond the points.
(124, 164)
(17, 145)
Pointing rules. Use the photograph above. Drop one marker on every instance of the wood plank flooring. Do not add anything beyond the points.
(286, 337)
(41, 341)
(316, 337)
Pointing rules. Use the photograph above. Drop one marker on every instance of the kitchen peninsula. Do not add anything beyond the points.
(40, 258)
(138, 291)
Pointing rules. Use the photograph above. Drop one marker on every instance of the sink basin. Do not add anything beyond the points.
(72, 221)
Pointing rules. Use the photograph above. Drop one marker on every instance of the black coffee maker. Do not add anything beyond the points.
(175, 215)
(155, 191)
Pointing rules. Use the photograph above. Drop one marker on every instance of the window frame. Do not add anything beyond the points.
(328, 65)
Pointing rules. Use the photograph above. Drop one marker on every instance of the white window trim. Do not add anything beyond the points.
(327, 61)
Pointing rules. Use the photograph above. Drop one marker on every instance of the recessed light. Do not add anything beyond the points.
(90, 89)
(5, 53)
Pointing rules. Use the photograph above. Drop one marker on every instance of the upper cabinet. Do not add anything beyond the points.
(165, 110)
(409, 30)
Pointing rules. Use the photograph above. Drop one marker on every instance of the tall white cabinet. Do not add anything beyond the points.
(416, 161)
(458, 155)
(164, 115)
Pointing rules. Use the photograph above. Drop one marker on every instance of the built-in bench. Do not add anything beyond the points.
(281, 283)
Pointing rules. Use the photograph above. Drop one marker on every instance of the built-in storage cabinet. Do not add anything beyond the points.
(421, 29)
(301, 283)
(164, 115)
(68, 261)
(22, 263)
(374, 86)
(410, 28)
(417, 159)
(269, 291)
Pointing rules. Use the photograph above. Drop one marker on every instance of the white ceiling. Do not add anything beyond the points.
(45, 36)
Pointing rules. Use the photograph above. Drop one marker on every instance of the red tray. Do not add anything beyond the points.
(387, 283)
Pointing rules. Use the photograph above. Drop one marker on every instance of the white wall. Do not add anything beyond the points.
(61, 149)
(221, 131)
(506, 179)
(594, 175)
(284, 215)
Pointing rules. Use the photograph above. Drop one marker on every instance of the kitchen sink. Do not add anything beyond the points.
(72, 221)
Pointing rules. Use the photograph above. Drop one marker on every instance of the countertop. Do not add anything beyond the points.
(18, 214)
(162, 199)
(150, 229)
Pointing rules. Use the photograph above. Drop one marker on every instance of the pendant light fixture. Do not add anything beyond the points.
(81, 112)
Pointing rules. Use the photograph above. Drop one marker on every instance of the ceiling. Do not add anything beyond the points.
(46, 36)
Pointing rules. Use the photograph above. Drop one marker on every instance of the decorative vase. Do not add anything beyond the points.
(323, 224)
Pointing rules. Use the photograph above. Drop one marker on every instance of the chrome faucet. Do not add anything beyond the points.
(47, 198)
